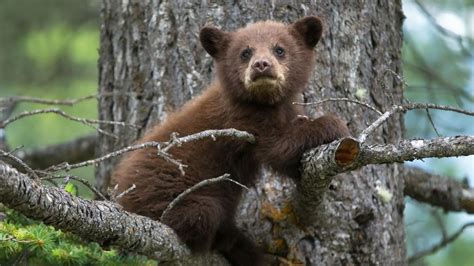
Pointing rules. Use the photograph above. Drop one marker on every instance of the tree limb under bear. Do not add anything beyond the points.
(106, 223)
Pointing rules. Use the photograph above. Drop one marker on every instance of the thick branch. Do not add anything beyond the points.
(99, 221)
(444, 192)
(323, 162)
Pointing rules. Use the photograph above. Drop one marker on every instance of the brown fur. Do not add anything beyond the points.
(205, 219)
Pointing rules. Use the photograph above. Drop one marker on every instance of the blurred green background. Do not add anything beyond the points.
(50, 50)
(439, 68)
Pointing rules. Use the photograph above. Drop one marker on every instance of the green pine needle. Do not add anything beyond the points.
(44, 245)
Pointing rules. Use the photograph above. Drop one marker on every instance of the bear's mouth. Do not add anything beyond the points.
(264, 87)
(262, 81)
(263, 84)
(262, 75)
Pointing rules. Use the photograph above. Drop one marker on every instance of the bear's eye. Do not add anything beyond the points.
(246, 54)
(279, 51)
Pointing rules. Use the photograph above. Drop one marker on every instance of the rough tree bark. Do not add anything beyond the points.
(151, 59)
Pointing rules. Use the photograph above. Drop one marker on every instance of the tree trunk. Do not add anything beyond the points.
(152, 62)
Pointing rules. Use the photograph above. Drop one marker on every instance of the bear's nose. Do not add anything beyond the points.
(261, 65)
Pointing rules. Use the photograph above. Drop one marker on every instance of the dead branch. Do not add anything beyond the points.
(74, 151)
(341, 100)
(67, 102)
(85, 121)
(446, 32)
(206, 182)
(322, 163)
(99, 221)
(406, 107)
(231, 132)
(17, 160)
(162, 147)
(34, 174)
(424, 68)
(78, 179)
(430, 119)
(125, 192)
(440, 191)
(444, 242)
(439, 222)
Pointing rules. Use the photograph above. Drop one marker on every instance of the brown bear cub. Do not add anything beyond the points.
(261, 70)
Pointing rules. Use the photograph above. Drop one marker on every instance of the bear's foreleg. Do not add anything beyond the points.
(282, 151)
(196, 220)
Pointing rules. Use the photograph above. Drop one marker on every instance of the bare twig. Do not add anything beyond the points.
(212, 133)
(206, 182)
(78, 179)
(128, 190)
(426, 70)
(446, 32)
(432, 122)
(85, 121)
(439, 221)
(341, 100)
(444, 242)
(158, 145)
(73, 151)
(66, 166)
(68, 102)
(396, 75)
(18, 161)
(63, 114)
(403, 108)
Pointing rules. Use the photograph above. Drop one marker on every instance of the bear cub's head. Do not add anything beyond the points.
(265, 62)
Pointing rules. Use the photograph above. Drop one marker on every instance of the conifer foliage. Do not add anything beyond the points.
(24, 241)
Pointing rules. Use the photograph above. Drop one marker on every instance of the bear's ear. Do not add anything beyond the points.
(310, 29)
(213, 40)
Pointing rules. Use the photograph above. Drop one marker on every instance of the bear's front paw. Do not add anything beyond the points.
(330, 128)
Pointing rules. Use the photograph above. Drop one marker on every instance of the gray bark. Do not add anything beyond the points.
(150, 49)
(440, 191)
(322, 163)
(100, 221)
